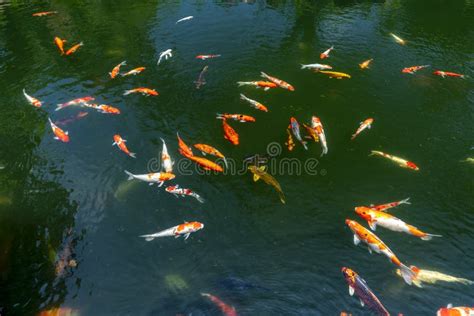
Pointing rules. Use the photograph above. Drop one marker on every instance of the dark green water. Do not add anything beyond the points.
(75, 196)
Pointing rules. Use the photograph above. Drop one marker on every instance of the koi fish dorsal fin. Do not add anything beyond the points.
(262, 168)
(256, 177)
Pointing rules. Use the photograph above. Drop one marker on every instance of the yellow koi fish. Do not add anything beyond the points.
(335, 74)
(260, 173)
(432, 277)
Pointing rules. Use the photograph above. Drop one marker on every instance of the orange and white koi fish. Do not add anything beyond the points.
(316, 67)
(390, 222)
(279, 82)
(73, 49)
(33, 101)
(398, 39)
(151, 178)
(177, 191)
(60, 44)
(266, 85)
(365, 64)
(399, 161)
(79, 101)
(413, 69)
(229, 133)
(227, 310)
(236, 117)
(134, 72)
(336, 74)
(144, 91)
(363, 125)
(255, 104)
(325, 54)
(206, 164)
(375, 244)
(207, 149)
(180, 230)
(60, 134)
(166, 161)
(121, 144)
(318, 127)
(384, 207)
(445, 74)
(184, 149)
(290, 144)
(44, 13)
(116, 70)
(204, 57)
(455, 311)
(103, 108)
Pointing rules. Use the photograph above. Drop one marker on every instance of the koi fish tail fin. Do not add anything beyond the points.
(405, 201)
(147, 237)
(219, 116)
(264, 75)
(305, 145)
(200, 199)
(243, 97)
(282, 198)
(133, 155)
(407, 274)
(130, 176)
(303, 66)
(205, 294)
(429, 237)
(353, 136)
(225, 162)
(241, 83)
(127, 92)
(60, 107)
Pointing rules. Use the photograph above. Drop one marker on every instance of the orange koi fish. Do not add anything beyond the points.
(227, 310)
(73, 49)
(375, 244)
(205, 163)
(236, 117)
(103, 108)
(384, 207)
(399, 161)
(134, 72)
(255, 104)
(365, 64)
(116, 70)
(121, 144)
(144, 91)
(33, 101)
(207, 149)
(311, 133)
(60, 44)
(455, 311)
(279, 82)
(180, 230)
(229, 133)
(325, 54)
(151, 178)
(290, 144)
(363, 125)
(44, 13)
(413, 69)
(204, 57)
(184, 149)
(79, 101)
(60, 134)
(445, 74)
(266, 85)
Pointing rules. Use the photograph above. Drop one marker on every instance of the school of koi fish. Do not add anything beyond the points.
(374, 215)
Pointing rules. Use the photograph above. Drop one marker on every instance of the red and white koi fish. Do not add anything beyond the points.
(185, 19)
(236, 117)
(177, 191)
(445, 74)
(79, 101)
(144, 91)
(363, 125)
(204, 57)
(325, 54)
(413, 69)
(207, 149)
(121, 144)
(166, 161)
(455, 311)
(229, 133)
(60, 134)
(103, 108)
(384, 207)
(255, 104)
(60, 44)
(399, 161)
(316, 67)
(398, 39)
(44, 13)
(116, 70)
(390, 222)
(318, 127)
(134, 72)
(33, 101)
(375, 244)
(279, 82)
(73, 49)
(180, 230)
(151, 178)
(184, 149)
(227, 310)
(266, 85)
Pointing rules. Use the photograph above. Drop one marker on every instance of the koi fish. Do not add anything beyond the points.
(229, 133)
(165, 54)
(121, 144)
(60, 44)
(278, 82)
(73, 49)
(468, 159)
(295, 128)
(445, 74)
(365, 64)
(431, 277)
(226, 309)
(236, 117)
(413, 69)
(134, 72)
(363, 125)
(185, 19)
(455, 311)
(375, 244)
(166, 162)
(177, 191)
(255, 104)
(201, 81)
(103, 108)
(266, 85)
(316, 67)
(390, 222)
(72, 119)
(335, 74)
(151, 178)
(358, 286)
(345, 314)
(116, 70)
(261, 173)
(384, 207)
(399, 161)
(290, 144)
(44, 13)
(33, 101)
(206, 164)
(325, 54)
(179, 230)
(318, 127)
(398, 39)
(204, 57)
(206, 149)
(143, 91)
(184, 149)
(79, 101)
(312, 133)
(60, 134)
